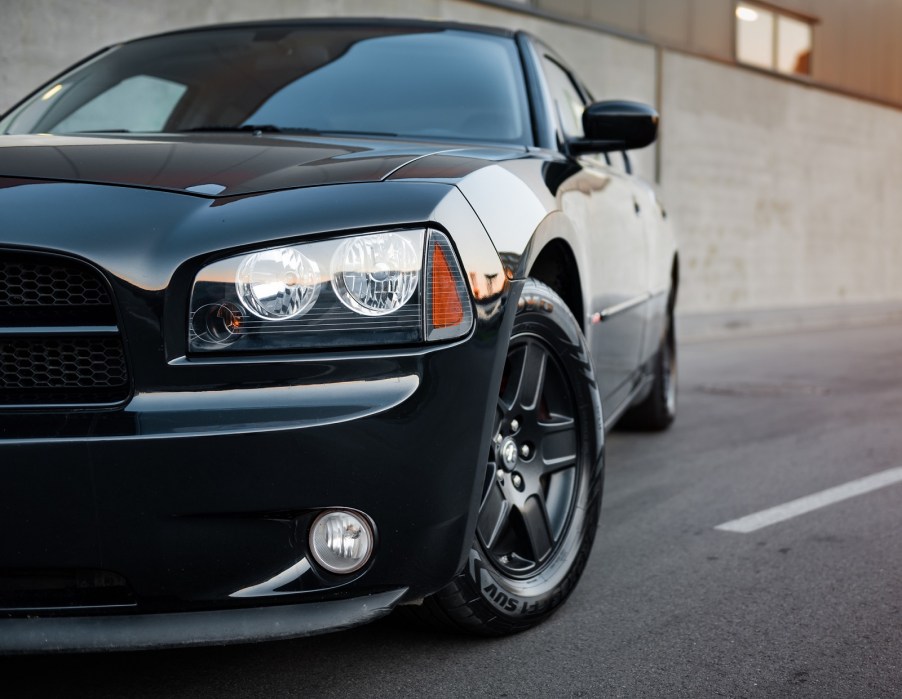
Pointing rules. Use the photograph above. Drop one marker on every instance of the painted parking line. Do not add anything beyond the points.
(809, 503)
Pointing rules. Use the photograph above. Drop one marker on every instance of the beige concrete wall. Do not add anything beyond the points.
(702, 26)
(783, 195)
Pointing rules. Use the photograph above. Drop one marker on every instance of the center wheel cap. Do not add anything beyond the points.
(509, 453)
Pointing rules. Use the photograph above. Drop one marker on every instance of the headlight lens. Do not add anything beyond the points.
(390, 287)
(278, 284)
(376, 274)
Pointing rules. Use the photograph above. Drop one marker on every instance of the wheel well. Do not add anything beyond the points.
(556, 266)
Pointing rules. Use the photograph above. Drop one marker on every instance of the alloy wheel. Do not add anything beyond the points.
(532, 472)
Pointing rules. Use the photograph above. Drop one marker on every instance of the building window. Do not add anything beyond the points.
(769, 38)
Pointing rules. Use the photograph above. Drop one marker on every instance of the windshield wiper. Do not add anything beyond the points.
(271, 128)
(254, 128)
(343, 132)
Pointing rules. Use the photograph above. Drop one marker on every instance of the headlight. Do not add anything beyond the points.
(390, 287)
(277, 284)
(375, 275)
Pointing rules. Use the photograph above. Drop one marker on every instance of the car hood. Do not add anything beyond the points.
(213, 165)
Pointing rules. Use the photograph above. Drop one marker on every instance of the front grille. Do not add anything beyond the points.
(45, 290)
(59, 342)
(48, 284)
(62, 370)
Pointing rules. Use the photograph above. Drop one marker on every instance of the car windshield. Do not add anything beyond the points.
(410, 82)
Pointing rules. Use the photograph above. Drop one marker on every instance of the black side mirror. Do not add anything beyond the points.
(616, 125)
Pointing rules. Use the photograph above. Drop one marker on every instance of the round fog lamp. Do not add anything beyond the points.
(218, 323)
(341, 541)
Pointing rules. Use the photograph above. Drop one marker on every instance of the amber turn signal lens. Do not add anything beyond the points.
(447, 310)
(449, 313)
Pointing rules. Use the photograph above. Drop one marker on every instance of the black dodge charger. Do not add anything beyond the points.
(301, 321)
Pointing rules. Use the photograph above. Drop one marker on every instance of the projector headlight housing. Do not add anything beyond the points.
(389, 287)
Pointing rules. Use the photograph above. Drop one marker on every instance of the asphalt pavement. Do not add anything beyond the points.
(669, 605)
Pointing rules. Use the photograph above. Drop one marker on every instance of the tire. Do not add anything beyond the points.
(658, 410)
(544, 475)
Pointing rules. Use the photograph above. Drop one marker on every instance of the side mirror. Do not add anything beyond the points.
(616, 125)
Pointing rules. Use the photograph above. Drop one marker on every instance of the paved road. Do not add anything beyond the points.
(669, 605)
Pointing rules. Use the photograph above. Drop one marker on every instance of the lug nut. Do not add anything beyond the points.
(514, 425)
(524, 451)
(498, 438)
(517, 481)
(499, 474)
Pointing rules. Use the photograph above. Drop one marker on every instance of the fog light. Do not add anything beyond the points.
(341, 541)
(218, 323)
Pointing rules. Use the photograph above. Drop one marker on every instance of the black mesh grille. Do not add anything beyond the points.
(48, 284)
(45, 290)
(62, 369)
(67, 361)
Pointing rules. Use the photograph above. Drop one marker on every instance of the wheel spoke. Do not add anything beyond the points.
(532, 378)
(558, 423)
(536, 520)
(557, 499)
(492, 515)
(507, 400)
(558, 445)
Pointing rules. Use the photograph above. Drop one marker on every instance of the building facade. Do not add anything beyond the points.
(854, 44)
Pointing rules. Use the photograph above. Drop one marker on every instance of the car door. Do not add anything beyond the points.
(600, 201)
(659, 267)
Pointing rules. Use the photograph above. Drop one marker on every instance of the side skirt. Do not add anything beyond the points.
(639, 392)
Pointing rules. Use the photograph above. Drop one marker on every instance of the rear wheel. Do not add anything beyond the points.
(658, 410)
(543, 479)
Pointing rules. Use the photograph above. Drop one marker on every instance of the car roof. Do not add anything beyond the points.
(360, 22)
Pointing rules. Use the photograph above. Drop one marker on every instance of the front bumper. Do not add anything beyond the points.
(199, 499)
(178, 630)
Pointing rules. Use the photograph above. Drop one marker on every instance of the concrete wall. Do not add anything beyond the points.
(782, 195)
(696, 25)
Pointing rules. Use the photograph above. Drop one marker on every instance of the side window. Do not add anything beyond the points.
(140, 103)
(566, 97)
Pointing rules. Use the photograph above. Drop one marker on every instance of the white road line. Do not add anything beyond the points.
(794, 508)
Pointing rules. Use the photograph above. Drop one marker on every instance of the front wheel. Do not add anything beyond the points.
(543, 479)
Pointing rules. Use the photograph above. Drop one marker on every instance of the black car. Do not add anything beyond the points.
(301, 321)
